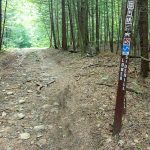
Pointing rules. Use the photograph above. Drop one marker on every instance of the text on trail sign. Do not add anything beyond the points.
(128, 25)
(123, 72)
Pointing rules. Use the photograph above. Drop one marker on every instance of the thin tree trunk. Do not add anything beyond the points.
(0, 25)
(93, 27)
(4, 22)
(97, 27)
(112, 27)
(52, 23)
(119, 26)
(64, 31)
(143, 23)
(71, 25)
(58, 32)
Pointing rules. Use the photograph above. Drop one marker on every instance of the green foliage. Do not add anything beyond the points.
(24, 27)
(17, 36)
(32, 20)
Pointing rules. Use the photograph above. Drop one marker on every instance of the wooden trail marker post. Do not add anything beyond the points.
(123, 71)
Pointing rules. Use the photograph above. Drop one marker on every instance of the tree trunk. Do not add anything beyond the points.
(97, 27)
(93, 27)
(112, 27)
(71, 25)
(0, 25)
(58, 30)
(52, 22)
(64, 36)
(83, 24)
(143, 24)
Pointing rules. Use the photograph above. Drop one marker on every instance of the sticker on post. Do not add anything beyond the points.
(127, 41)
(128, 20)
(125, 49)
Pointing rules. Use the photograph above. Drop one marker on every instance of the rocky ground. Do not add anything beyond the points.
(54, 100)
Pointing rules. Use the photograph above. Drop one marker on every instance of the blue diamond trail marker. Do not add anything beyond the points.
(120, 108)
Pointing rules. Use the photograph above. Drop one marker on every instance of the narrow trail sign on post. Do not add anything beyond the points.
(123, 71)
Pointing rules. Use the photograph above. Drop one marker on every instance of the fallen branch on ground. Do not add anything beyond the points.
(134, 91)
(99, 65)
(109, 85)
(128, 89)
(143, 58)
(40, 86)
(53, 81)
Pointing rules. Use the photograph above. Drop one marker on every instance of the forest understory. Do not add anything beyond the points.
(56, 100)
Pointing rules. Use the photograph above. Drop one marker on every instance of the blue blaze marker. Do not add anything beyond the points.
(125, 49)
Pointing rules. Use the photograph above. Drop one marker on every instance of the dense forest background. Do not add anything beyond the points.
(65, 23)
(23, 26)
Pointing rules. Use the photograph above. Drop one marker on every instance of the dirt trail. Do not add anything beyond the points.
(24, 75)
(53, 100)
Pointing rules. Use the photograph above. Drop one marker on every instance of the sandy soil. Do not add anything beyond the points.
(54, 100)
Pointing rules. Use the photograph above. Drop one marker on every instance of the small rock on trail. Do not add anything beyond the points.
(4, 114)
(24, 136)
(22, 101)
(20, 116)
(10, 93)
(39, 128)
